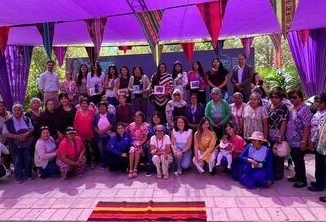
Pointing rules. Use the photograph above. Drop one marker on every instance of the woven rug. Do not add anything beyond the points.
(149, 211)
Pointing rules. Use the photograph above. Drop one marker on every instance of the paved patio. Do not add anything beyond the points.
(226, 200)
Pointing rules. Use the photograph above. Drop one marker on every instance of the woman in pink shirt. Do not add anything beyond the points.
(198, 82)
(84, 127)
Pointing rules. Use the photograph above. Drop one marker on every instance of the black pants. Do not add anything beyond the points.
(299, 165)
(320, 168)
(2, 171)
(161, 110)
(201, 95)
(116, 163)
(278, 163)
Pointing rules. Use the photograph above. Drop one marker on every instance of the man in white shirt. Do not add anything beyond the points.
(49, 84)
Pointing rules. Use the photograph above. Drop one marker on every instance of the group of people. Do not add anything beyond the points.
(99, 118)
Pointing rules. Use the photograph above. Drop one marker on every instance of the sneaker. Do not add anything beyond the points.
(292, 179)
(229, 167)
(177, 173)
(299, 184)
(314, 188)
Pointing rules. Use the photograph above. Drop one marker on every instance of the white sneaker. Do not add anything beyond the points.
(178, 172)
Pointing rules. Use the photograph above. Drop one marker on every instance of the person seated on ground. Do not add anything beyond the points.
(194, 112)
(71, 154)
(225, 150)
(256, 163)
(156, 120)
(118, 149)
(181, 139)
(204, 146)
(139, 133)
(45, 153)
(161, 150)
(175, 107)
(124, 111)
(3, 150)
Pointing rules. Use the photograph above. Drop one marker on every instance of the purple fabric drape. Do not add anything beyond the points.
(14, 70)
(60, 53)
(310, 59)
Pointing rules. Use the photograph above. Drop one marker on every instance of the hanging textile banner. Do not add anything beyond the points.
(124, 48)
(60, 53)
(47, 32)
(212, 15)
(277, 40)
(158, 51)
(4, 32)
(246, 43)
(91, 54)
(14, 70)
(188, 49)
(95, 29)
(284, 10)
(150, 22)
(304, 34)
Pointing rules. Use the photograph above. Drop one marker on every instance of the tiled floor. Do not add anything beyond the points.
(226, 200)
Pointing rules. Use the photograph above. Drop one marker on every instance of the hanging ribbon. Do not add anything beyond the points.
(246, 43)
(124, 48)
(47, 32)
(95, 29)
(91, 54)
(4, 32)
(150, 22)
(277, 40)
(304, 34)
(188, 49)
(212, 15)
(60, 53)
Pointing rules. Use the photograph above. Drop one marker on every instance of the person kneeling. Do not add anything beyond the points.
(161, 150)
(256, 163)
(71, 154)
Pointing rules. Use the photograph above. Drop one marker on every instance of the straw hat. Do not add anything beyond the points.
(70, 129)
(257, 136)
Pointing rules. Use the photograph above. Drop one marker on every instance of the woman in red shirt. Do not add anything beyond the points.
(198, 82)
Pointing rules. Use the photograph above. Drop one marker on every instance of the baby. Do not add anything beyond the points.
(225, 150)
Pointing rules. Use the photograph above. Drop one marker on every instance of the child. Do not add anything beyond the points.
(226, 150)
(4, 150)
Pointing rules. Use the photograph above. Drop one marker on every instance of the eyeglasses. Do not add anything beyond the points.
(159, 131)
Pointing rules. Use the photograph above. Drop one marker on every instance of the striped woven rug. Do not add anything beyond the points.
(149, 211)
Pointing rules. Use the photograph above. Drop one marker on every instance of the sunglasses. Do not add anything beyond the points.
(44, 127)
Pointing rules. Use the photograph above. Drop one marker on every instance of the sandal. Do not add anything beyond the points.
(130, 174)
(134, 174)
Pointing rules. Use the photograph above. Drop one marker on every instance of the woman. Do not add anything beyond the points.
(110, 85)
(194, 112)
(71, 154)
(175, 107)
(65, 113)
(278, 115)
(181, 140)
(94, 83)
(204, 146)
(5, 115)
(122, 83)
(180, 78)
(161, 150)
(218, 77)
(69, 87)
(317, 124)
(118, 149)
(82, 80)
(255, 117)
(156, 120)
(124, 111)
(163, 79)
(83, 124)
(45, 153)
(237, 109)
(139, 88)
(103, 125)
(218, 112)
(198, 81)
(256, 167)
(48, 118)
(297, 135)
(139, 133)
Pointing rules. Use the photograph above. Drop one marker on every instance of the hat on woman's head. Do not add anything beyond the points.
(177, 62)
(70, 129)
(257, 136)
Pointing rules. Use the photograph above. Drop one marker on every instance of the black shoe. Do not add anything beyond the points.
(213, 172)
(313, 183)
(299, 184)
(293, 179)
(314, 188)
(322, 199)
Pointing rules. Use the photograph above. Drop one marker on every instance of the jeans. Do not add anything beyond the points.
(102, 142)
(90, 148)
(320, 168)
(22, 163)
(299, 165)
(117, 162)
(2, 171)
(140, 104)
(51, 169)
(184, 162)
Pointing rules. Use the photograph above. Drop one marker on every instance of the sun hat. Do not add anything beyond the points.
(256, 135)
(70, 129)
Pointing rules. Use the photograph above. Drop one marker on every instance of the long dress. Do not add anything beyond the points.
(251, 177)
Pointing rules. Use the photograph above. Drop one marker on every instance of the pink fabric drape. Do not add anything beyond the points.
(188, 49)
(277, 40)
(60, 53)
(4, 32)
(124, 48)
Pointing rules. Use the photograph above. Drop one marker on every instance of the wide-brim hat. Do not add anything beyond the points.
(70, 129)
(257, 136)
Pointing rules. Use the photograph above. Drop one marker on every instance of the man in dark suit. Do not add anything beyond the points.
(194, 112)
(241, 77)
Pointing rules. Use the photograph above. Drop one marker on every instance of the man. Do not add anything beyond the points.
(49, 84)
(241, 78)
(18, 131)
